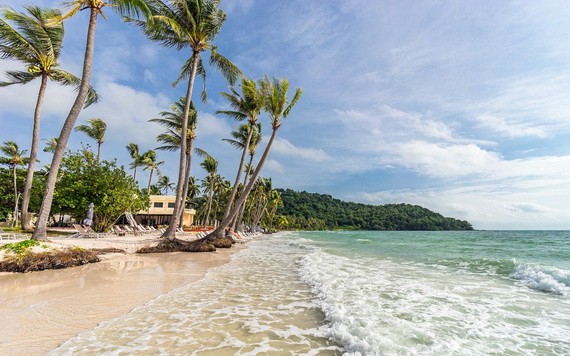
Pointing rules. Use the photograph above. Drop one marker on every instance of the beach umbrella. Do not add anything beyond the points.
(89, 217)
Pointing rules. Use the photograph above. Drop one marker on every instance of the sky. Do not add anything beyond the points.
(460, 107)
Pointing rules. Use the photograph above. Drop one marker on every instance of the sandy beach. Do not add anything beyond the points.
(40, 310)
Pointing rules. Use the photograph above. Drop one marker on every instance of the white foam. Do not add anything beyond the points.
(544, 278)
(377, 307)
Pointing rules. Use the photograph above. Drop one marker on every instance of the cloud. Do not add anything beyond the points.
(443, 161)
(212, 126)
(500, 126)
(284, 147)
(528, 208)
(273, 166)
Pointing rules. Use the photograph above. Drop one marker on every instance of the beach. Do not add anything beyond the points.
(40, 310)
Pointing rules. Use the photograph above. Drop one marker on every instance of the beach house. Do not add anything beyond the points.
(160, 212)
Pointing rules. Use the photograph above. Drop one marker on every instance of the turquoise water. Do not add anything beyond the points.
(362, 293)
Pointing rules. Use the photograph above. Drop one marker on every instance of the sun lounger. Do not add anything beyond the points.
(85, 231)
(6, 235)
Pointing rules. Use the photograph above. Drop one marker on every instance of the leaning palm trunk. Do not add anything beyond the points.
(219, 231)
(230, 203)
(186, 179)
(236, 224)
(170, 232)
(33, 156)
(40, 232)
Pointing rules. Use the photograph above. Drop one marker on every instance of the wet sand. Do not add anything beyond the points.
(40, 310)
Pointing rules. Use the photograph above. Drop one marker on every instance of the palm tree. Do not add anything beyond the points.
(134, 152)
(149, 161)
(210, 165)
(14, 158)
(51, 144)
(247, 106)
(125, 7)
(164, 184)
(239, 141)
(38, 46)
(193, 189)
(278, 107)
(95, 130)
(194, 24)
(172, 139)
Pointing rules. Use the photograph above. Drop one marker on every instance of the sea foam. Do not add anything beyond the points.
(544, 278)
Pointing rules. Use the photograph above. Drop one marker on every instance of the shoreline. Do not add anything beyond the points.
(40, 310)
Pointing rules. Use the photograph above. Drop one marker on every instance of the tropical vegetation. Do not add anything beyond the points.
(311, 211)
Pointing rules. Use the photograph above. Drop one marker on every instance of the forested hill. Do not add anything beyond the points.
(313, 211)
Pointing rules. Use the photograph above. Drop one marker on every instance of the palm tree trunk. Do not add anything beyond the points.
(186, 179)
(219, 231)
(135, 175)
(239, 217)
(149, 181)
(40, 232)
(170, 232)
(238, 175)
(33, 156)
(98, 152)
(15, 219)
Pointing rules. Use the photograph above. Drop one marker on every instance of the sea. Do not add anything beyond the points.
(361, 293)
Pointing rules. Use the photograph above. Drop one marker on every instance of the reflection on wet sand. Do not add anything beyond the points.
(40, 310)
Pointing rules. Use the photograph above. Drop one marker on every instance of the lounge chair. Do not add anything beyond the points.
(85, 231)
(6, 235)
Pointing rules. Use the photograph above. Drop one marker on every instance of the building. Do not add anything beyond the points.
(160, 212)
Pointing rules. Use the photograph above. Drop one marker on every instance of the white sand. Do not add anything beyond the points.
(40, 310)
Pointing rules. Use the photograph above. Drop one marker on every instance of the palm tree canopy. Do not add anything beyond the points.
(276, 103)
(149, 160)
(36, 43)
(241, 134)
(172, 120)
(14, 156)
(190, 23)
(246, 105)
(95, 130)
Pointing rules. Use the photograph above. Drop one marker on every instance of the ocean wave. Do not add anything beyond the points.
(544, 278)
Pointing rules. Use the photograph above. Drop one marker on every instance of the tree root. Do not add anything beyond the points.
(30, 261)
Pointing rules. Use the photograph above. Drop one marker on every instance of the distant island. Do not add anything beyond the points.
(312, 211)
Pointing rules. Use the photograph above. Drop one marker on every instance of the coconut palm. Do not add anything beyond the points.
(247, 106)
(134, 152)
(51, 144)
(172, 139)
(210, 165)
(38, 46)
(239, 141)
(95, 130)
(14, 158)
(150, 163)
(164, 184)
(125, 7)
(190, 24)
(278, 107)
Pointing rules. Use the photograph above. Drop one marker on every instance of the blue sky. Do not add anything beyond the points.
(461, 107)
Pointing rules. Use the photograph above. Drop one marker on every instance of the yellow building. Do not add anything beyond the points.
(160, 212)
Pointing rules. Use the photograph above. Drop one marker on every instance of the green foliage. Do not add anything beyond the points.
(83, 180)
(20, 247)
(7, 190)
(311, 211)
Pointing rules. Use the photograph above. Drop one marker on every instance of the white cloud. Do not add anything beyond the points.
(126, 112)
(520, 207)
(442, 161)
(286, 148)
(273, 166)
(210, 125)
(500, 126)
